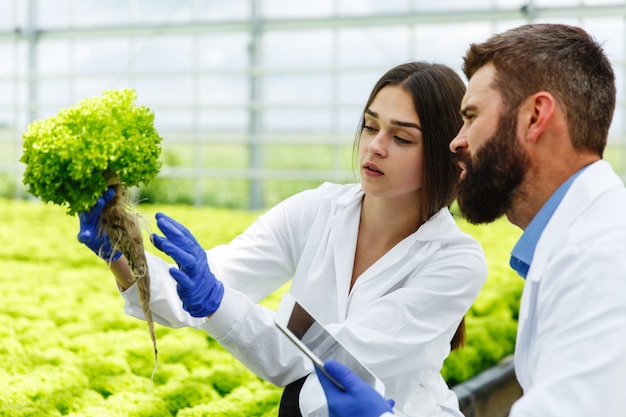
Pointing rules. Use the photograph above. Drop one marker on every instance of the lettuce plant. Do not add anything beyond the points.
(72, 156)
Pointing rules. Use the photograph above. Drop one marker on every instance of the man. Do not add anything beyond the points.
(537, 112)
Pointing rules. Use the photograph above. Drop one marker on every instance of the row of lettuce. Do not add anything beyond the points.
(67, 349)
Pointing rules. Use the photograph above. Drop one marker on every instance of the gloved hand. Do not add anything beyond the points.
(98, 241)
(358, 400)
(198, 289)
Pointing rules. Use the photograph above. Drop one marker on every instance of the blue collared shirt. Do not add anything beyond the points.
(524, 250)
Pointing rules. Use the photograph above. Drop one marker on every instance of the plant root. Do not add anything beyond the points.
(122, 225)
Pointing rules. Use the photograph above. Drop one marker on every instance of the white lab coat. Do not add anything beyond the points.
(570, 356)
(398, 319)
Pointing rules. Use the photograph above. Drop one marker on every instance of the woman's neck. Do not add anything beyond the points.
(391, 219)
(384, 223)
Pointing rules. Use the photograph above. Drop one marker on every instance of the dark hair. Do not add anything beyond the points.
(437, 92)
(560, 59)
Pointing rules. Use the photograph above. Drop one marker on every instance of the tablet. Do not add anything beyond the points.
(318, 343)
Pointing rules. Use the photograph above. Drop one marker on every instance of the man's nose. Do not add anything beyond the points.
(459, 142)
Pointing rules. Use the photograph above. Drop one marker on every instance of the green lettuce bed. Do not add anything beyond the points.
(67, 349)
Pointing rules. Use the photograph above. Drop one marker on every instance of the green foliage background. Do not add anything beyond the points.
(67, 349)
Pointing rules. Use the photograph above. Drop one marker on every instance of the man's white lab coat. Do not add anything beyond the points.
(570, 356)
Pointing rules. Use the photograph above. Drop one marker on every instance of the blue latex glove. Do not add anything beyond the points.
(98, 242)
(198, 289)
(358, 400)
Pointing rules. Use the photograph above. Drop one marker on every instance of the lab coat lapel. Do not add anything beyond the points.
(344, 228)
(396, 257)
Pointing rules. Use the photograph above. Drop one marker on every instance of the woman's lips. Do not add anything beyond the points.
(372, 170)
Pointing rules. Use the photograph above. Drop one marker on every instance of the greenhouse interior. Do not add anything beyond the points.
(254, 101)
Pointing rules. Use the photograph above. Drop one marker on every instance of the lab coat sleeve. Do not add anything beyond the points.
(263, 258)
(255, 263)
(252, 266)
(577, 363)
(248, 332)
(244, 328)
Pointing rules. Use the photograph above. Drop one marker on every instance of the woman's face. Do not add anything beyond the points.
(391, 151)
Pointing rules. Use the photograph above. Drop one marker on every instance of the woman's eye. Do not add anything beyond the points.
(369, 129)
(402, 141)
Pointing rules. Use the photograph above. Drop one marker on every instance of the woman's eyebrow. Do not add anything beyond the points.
(395, 122)
(406, 124)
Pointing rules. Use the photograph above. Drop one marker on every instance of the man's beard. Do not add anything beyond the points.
(493, 175)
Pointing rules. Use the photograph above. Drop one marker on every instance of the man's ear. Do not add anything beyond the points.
(541, 107)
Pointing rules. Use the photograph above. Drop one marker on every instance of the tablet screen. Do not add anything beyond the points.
(323, 344)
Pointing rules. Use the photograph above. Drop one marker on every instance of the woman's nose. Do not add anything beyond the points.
(378, 145)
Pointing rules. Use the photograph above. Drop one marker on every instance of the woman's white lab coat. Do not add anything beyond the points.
(398, 318)
(570, 356)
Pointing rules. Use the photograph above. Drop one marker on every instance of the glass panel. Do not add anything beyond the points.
(223, 51)
(52, 14)
(355, 88)
(167, 119)
(556, 3)
(20, 61)
(290, 8)
(235, 120)
(502, 25)
(93, 86)
(565, 20)
(602, 2)
(21, 9)
(53, 56)
(386, 46)
(163, 11)
(8, 94)
(224, 9)
(608, 31)
(163, 53)
(102, 55)
(54, 93)
(7, 12)
(98, 12)
(349, 120)
(224, 89)
(8, 63)
(290, 156)
(510, 4)
(297, 120)
(305, 89)
(224, 155)
(453, 5)
(170, 91)
(433, 42)
(370, 7)
(309, 49)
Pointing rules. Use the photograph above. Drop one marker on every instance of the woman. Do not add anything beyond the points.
(381, 263)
